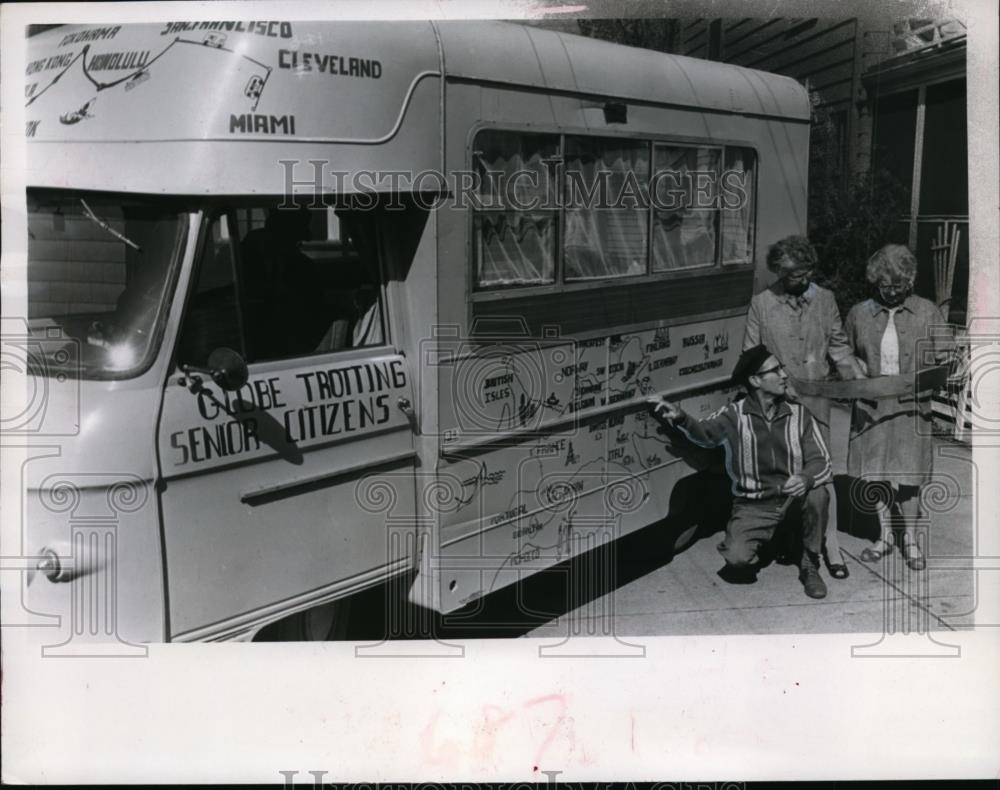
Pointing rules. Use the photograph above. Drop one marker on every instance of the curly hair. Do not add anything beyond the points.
(794, 248)
(894, 262)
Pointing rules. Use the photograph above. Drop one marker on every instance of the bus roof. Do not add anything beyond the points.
(524, 55)
(212, 107)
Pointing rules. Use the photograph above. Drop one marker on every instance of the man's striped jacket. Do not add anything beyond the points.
(761, 455)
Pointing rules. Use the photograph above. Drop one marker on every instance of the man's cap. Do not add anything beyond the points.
(749, 363)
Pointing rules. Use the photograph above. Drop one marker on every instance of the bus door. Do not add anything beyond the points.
(271, 496)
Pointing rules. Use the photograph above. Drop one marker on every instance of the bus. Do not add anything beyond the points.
(313, 306)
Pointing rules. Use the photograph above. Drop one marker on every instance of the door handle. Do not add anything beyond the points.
(407, 408)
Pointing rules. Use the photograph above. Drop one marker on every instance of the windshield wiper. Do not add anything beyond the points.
(102, 224)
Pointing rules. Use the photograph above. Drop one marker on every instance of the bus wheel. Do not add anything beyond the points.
(324, 623)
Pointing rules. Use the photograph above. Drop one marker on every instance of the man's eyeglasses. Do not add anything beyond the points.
(797, 274)
(772, 369)
(893, 287)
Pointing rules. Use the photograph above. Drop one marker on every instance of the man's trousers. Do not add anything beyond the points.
(753, 523)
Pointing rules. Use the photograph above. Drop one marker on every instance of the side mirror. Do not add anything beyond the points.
(225, 367)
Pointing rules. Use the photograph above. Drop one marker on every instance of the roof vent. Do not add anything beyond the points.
(615, 112)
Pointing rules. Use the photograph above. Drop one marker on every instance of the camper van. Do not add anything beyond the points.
(313, 306)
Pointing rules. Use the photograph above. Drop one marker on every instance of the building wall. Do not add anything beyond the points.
(886, 96)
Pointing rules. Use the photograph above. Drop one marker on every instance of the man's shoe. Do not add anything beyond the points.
(785, 557)
(812, 582)
(738, 574)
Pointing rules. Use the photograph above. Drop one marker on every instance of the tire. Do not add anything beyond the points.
(324, 623)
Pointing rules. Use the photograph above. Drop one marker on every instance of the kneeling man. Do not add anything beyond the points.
(777, 461)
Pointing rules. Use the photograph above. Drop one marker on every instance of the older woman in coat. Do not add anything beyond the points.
(891, 438)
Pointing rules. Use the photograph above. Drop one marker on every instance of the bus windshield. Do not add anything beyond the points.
(99, 268)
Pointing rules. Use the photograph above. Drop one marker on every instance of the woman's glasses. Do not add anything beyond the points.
(798, 275)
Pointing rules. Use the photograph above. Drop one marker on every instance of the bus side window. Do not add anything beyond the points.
(357, 256)
(212, 317)
(606, 225)
(685, 219)
(310, 286)
(514, 243)
(270, 290)
(739, 190)
(282, 287)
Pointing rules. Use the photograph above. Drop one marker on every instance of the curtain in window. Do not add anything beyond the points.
(686, 207)
(515, 248)
(606, 216)
(737, 205)
(515, 233)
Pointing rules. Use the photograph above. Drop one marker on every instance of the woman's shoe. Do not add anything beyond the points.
(913, 556)
(838, 570)
(877, 551)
